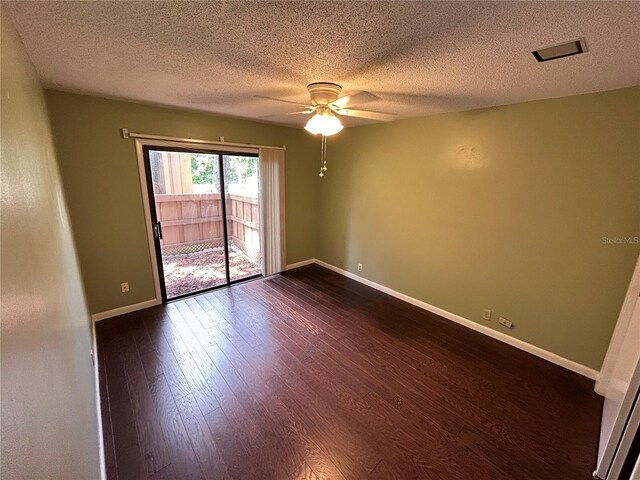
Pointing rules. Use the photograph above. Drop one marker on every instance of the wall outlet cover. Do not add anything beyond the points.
(486, 314)
(503, 321)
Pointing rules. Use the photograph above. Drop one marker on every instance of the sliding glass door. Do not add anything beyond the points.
(205, 209)
(240, 175)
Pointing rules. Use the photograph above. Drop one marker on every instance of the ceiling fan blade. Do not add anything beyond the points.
(301, 112)
(357, 98)
(283, 101)
(380, 116)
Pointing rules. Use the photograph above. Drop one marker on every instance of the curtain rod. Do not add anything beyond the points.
(127, 134)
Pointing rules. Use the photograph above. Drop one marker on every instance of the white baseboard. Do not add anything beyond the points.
(301, 264)
(96, 317)
(514, 342)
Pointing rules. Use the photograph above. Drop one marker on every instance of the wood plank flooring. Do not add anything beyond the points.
(310, 375)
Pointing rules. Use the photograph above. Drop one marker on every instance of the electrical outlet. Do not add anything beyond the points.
(486, 314)
(124, 287)
(359, 267)
(503, 321)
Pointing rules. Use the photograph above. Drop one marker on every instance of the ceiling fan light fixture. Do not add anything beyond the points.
(323, 122)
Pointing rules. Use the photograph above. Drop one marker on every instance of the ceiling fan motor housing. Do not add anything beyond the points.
(323, 93)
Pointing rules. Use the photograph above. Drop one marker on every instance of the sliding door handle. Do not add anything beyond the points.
(157, 230)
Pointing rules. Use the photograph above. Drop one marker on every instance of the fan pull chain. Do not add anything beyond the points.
(324, 167)
(323, 155)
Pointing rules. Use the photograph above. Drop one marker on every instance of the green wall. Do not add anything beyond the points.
(100, 175)
(48, 400)
(502, 208)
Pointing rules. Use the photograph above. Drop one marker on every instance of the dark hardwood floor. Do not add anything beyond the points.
(310, 375)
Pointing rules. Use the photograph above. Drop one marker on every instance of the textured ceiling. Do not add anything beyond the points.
(418, 57)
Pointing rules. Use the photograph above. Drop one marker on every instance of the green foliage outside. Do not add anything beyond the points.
(202, 168)
(238, 169)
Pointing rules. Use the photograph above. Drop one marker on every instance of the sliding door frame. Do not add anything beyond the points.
(143, 146)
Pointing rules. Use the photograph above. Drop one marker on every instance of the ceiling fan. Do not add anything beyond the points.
(327, 106)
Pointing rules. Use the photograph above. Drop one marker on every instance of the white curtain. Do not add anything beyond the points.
(272, 200)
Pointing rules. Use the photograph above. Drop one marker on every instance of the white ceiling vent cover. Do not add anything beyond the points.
(567, 49)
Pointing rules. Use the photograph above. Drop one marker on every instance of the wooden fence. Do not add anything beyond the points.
(192, 222)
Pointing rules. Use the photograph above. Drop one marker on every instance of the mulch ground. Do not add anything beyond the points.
(191, 272)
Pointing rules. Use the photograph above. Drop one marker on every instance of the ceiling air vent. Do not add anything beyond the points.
(559, 51)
